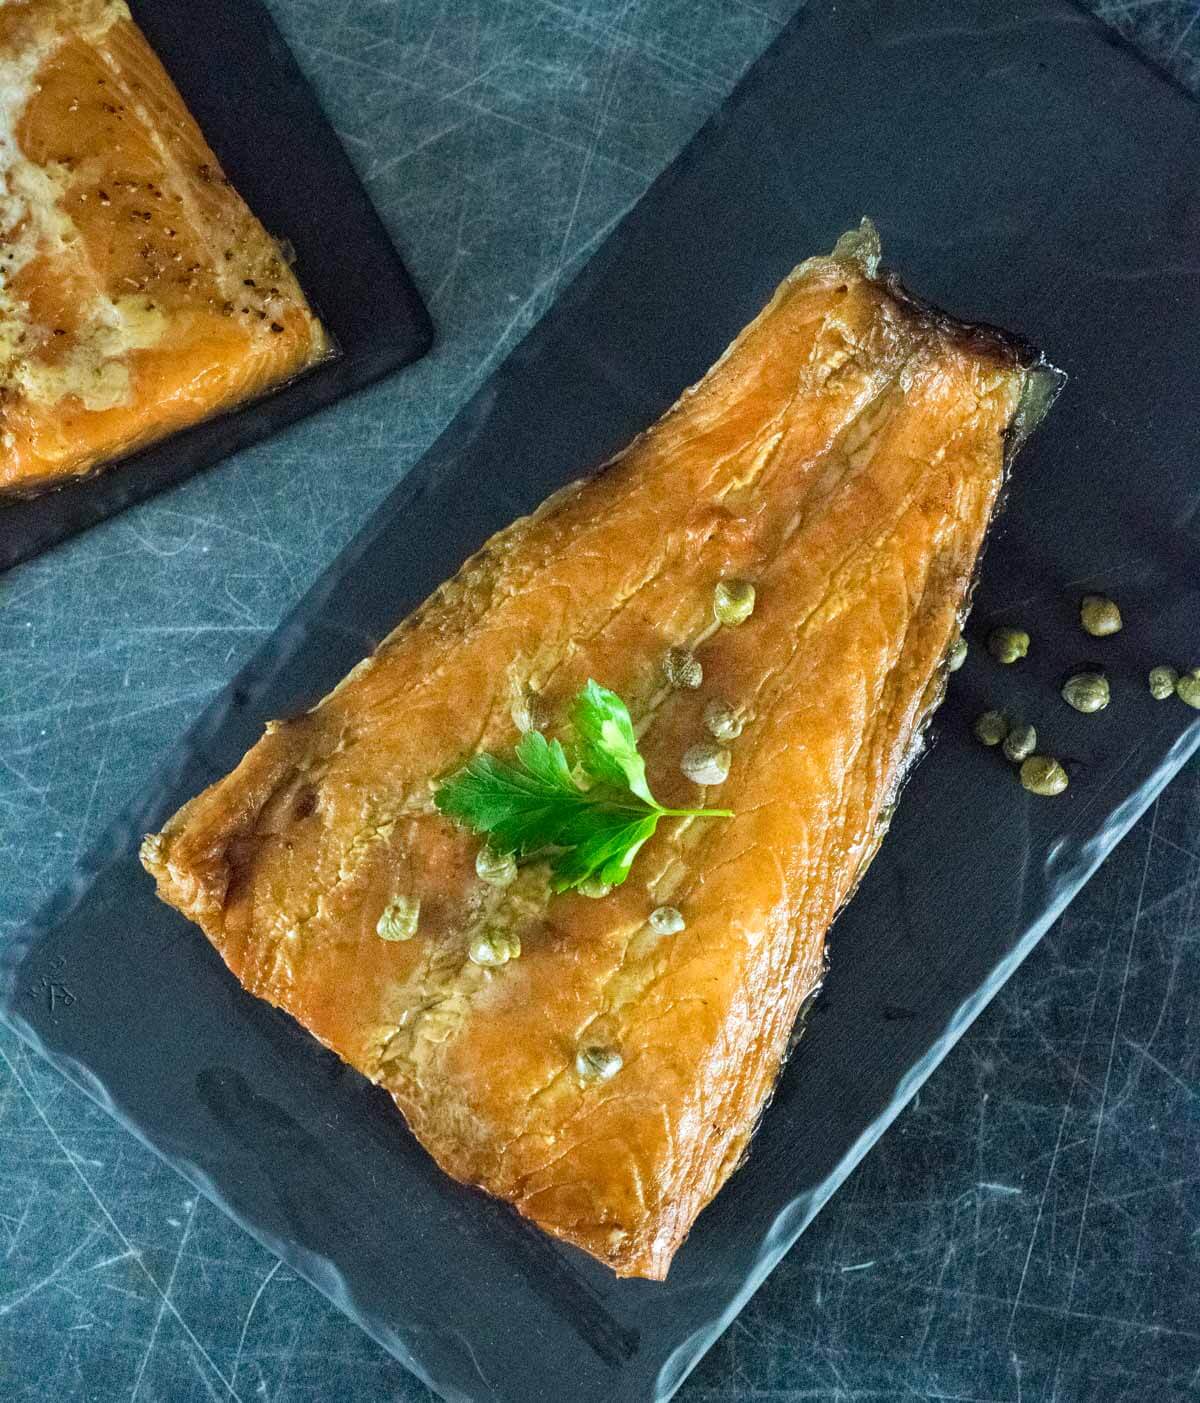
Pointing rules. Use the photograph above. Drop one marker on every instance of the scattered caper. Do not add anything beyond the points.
(1020, 743)
(498, 869)
(957, 654)
(1099, 616)
(1187, 689)
(1041, 774)
(682, 669)
(494, 947)
(399, 919)
(1008, 645)
(595, 888)
(733, 601)
(991, 727)
(706, 763)
(598, 1063)
(667, 920)
(1086, 692)
(1162, 682)
(722, 721)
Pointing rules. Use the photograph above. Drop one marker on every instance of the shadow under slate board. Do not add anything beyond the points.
(252, 105)
(1025, 169)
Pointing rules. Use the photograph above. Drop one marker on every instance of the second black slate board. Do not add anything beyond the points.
(1025, 170)
(261, 118)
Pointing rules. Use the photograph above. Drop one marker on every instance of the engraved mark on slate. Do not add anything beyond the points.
(56, 992)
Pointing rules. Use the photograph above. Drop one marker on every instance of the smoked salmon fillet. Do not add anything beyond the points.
(844, 456)
(138, 294)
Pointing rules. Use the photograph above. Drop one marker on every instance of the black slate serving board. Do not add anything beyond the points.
(1026, 169)
(262, 119)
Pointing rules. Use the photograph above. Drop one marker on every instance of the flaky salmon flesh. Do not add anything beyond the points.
(138, 294)
(844, 456)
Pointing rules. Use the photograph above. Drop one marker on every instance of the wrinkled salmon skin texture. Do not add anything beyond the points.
(845, 456)
(138, 294)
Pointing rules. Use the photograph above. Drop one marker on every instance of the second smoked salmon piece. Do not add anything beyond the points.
(138, 293)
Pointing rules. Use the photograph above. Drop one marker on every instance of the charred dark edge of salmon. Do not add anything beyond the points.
(1045, 381)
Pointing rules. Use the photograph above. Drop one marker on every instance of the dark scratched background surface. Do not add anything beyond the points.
(1028, 1231)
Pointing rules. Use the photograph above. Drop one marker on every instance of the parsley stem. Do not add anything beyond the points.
(646, 811)
(695, 813)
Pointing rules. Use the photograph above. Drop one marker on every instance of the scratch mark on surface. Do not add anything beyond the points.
(610, 88)
(1187, 29)
(1062, 1124)
(23, 1295)
(266, 1281)
(15, 1232)
(1148, 1056)
(166, 1301)
(1112, 1048)
(111, 1261)
(112, 1222)
(502, 344)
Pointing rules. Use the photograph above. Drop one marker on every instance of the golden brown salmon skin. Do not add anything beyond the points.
(138, 294)
(844, 456)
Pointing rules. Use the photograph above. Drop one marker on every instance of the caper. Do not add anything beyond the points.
(1099, 616)
(1020, 743)
(497, 869)
(991, 727)
(530, 712)
(1086, 692)
(1162, 682)
(493, 947)
(706, 763)
(957, 654)
(682, 669)
(594, 887)
(1007, 645)
(667, 920)
(399, 919)
(1042, 774)
(722, 721)
(1187, 689)
(598, 1063)
(733, 602)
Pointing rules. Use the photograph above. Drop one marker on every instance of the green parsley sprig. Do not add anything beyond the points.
(536, 806)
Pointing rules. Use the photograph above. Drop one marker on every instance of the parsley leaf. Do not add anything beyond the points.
(535, 807)
(607, 746)
(607, 854)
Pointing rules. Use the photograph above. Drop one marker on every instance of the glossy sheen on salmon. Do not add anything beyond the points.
(844, 455)
(138, 294)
